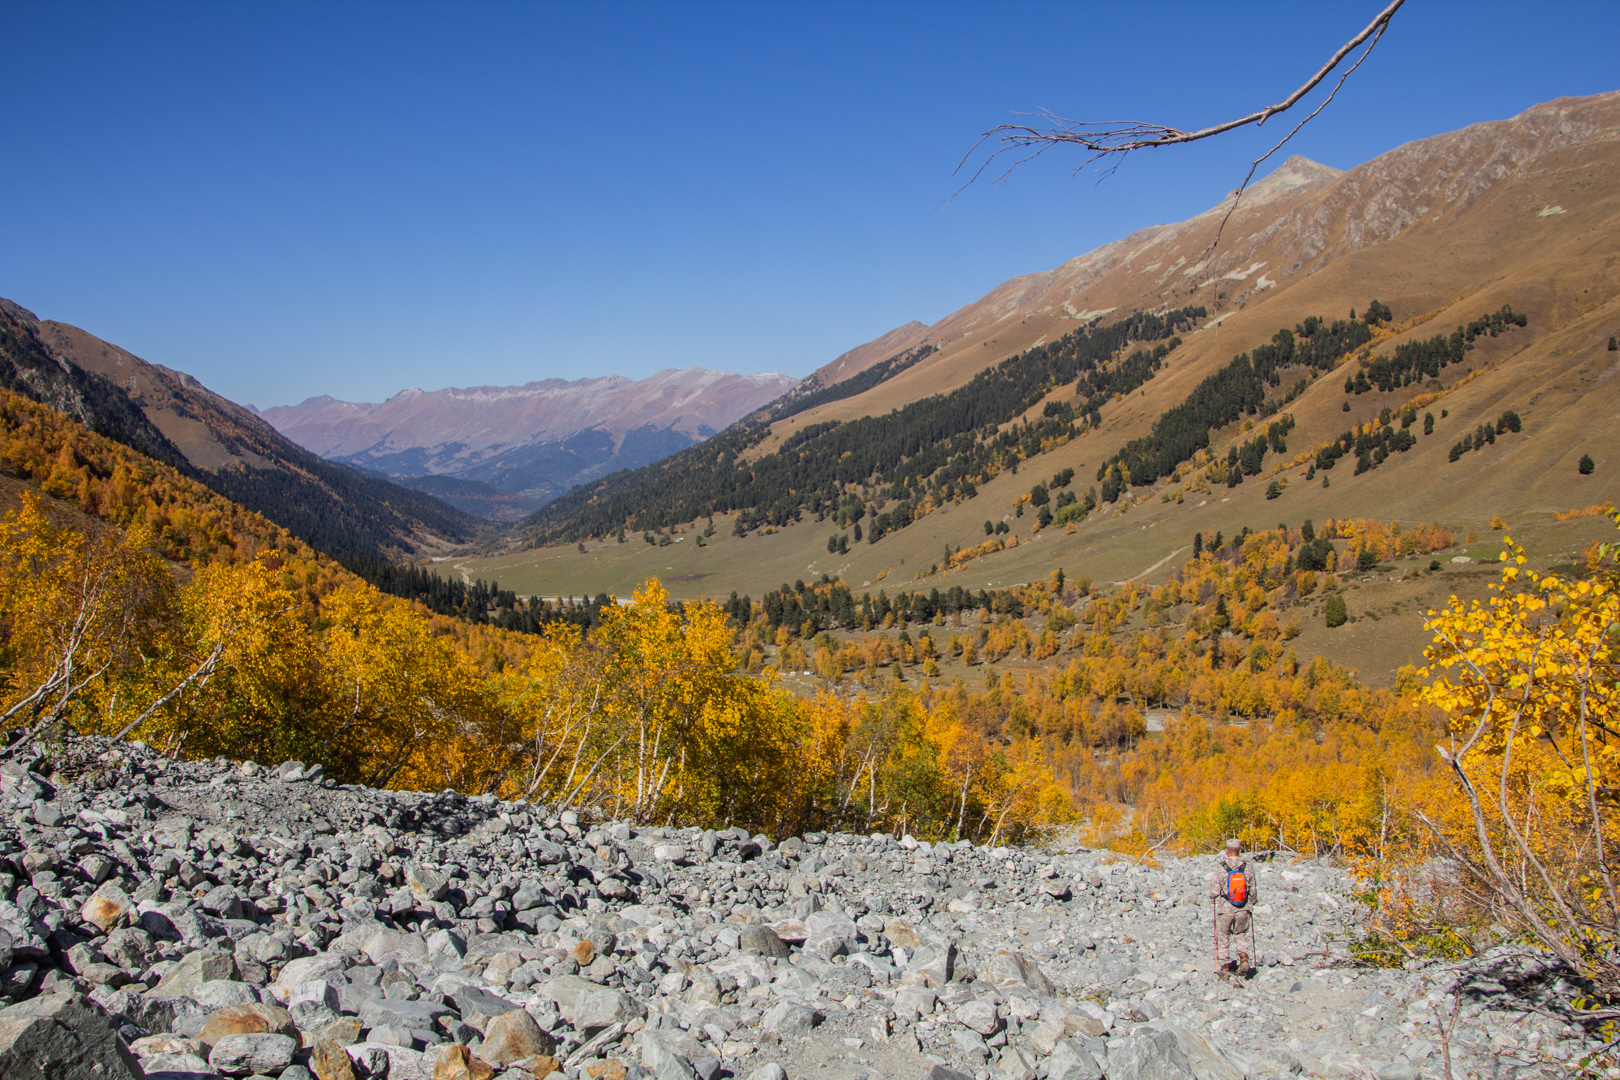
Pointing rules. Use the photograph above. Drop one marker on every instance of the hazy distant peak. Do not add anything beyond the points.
(524, 437)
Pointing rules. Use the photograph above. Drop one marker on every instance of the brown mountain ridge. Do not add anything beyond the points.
(1522, 212)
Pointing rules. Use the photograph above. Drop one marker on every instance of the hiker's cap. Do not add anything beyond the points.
(1234, 844)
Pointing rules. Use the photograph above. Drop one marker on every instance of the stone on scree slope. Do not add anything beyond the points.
(223, 919)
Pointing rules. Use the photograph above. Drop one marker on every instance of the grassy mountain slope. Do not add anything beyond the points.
(170, 416)
(1523, 212)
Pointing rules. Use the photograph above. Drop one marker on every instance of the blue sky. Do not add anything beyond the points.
(293, 199)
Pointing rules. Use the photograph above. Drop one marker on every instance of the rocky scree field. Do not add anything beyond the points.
(206, 919)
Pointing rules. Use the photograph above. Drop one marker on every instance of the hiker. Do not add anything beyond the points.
(1232, 889)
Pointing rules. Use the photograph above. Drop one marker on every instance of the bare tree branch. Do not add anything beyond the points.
(1115, 139)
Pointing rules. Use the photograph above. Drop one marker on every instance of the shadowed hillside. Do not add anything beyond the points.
(168, 415)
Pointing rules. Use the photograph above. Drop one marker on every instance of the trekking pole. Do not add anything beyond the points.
(1215, 934)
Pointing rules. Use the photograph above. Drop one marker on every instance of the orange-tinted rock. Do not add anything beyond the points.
(246, 1020)
(511, 1038)
(109, 908)
(329, 1061)
(609, 1069)
(456, 1062)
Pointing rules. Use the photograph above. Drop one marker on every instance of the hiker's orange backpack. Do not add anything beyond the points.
(1237, 888)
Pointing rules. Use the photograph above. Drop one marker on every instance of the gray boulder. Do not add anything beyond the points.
(219, 993)
(790, 1018)
(478, 1007)
(1069, 1063)
(657, 1044)
(763, 940)
(416, 1015)
(261, 1052)
(932, 964)
(1013, 970)
(194, 969)
(600, 1008)
(64, 1037)
(1160, 1050)
(26, 942)
(829, 934)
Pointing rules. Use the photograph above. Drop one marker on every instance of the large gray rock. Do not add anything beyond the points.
(381, 944)
(1160, 1050)
(197, 930)
(426, 885)
(566, 990)
(660, 1043)
(218, 993)
(1069, 1063)
(418, 1015)
(222, 900)
(829, 934)
(1012, 970)
(394, 1062)
(445, 949)
(158, 1012)
(194, 969)
(131, 948)
(979, 1016)
(674, 1068)
(790, 1018)
(600, 1008)
(27, 944)
(177, 1066)
(1016, 1064)
(763, 940)
(327, 965)
(262, 1052)
(547, 853)
(530, 894)
(932, 964)
(478, 1007)
(62, 1037)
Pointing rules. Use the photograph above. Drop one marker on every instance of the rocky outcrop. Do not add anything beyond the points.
(221, 919)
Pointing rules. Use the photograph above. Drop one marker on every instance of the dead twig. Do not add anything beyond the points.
(1447, 1030)
(1114, 140)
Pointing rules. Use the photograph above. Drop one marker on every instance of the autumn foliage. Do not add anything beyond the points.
(1479, 791)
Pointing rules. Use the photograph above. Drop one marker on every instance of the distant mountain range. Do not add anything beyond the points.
(170, 416)
(503, 451)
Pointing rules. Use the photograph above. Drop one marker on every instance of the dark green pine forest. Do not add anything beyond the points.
(881, 467)
(876, 474)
